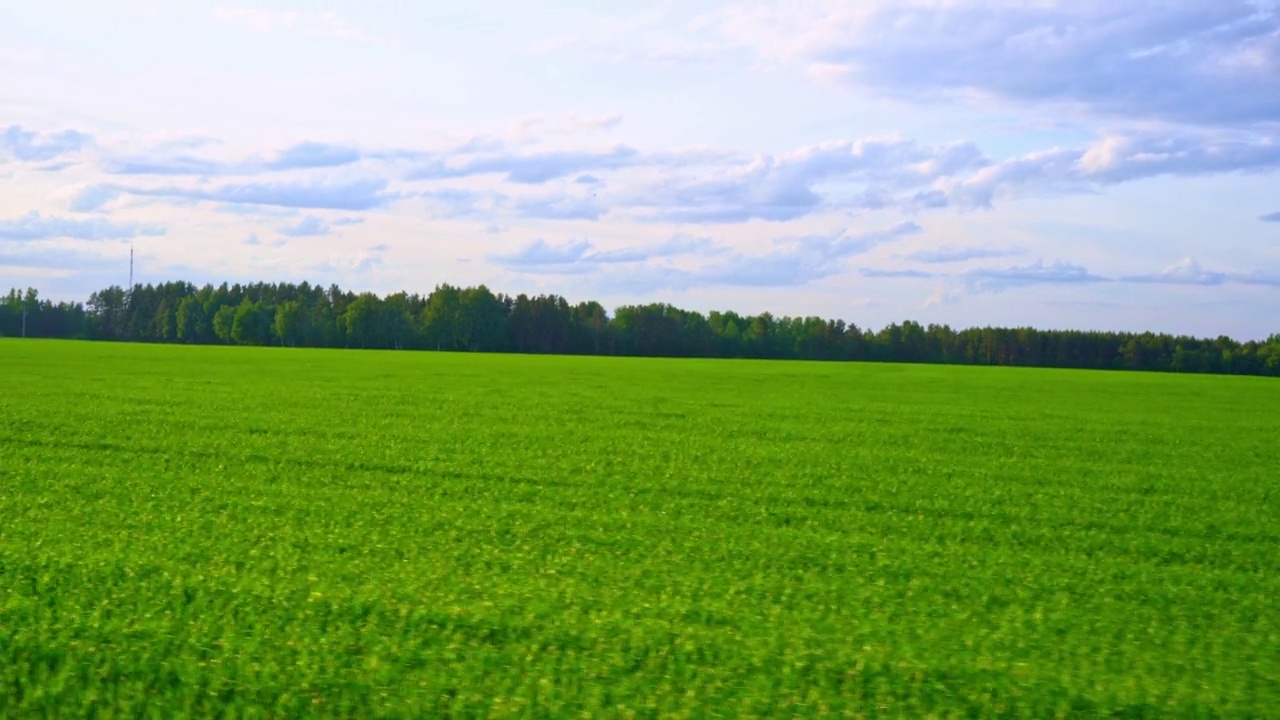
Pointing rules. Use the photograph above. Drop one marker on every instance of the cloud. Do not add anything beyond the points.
(797, 261)
(573, 255)
(344, 221)
(56, 166)
(93, 197)
(998, 279)
(529, 168)
(31, 146)
(302, 156)
(60, 259)
(1116, 159)
(539, 253)
(1189, 272)
(309, 226)
(1208, 63)
(878, 273)
(528, 128)
(991, 279)
(951, 255)
(313, 155)
(172, 165)
(558, 207)
(804, 181)
(351, 195)
(676, 245)
(458, 202)
(1270, 217)
(353, 263)
(1037, 273)
(34, 226)
(255, 211)
(589, 123)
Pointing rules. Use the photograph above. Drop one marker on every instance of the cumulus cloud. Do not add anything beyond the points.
(1189, 272)
(794, 184)
(30, 146)
(1208, 63)
(34, 226)
(1116, 159)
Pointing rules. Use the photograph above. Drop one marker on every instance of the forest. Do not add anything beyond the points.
(476, 319)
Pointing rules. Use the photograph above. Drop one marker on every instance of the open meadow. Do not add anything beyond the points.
(276, 532)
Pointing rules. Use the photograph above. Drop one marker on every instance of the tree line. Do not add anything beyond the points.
(478, 320)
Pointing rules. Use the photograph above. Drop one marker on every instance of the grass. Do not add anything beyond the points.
(271, 532)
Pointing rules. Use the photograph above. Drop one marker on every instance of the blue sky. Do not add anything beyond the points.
(1084, 164)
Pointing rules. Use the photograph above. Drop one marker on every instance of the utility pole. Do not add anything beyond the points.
(131, 270)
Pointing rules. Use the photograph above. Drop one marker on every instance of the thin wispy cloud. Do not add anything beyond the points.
(35, 226)
(795, 261)
(302, 156)
(544, 257)
(309, 226)
(960, 254)
(347, 195)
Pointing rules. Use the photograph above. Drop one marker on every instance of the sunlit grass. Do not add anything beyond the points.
(187, 531)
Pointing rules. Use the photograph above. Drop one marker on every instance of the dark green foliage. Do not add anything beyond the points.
(475, 319)
(252, 532)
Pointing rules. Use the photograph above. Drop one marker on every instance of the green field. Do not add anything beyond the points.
(273, 532)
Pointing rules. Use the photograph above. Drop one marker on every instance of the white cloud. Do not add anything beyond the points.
(34, 226)
(796, 261)
(18, 143)
(1189, 272)
(1210, 63)
(308, 226)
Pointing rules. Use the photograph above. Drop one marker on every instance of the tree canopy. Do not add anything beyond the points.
(478, 320)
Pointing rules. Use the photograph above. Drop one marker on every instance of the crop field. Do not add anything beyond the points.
(261, 532)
